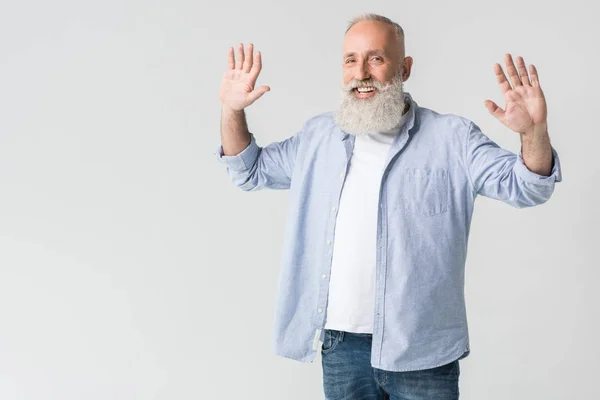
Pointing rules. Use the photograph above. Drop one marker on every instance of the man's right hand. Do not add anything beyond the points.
(237, 88)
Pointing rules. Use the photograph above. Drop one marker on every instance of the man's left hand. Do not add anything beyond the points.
(525, 111)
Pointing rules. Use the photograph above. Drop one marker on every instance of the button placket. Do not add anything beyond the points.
(324, 276)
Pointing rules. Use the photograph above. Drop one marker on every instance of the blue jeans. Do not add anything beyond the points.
(348, 374)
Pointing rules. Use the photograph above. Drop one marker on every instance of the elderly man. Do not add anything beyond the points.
(381, 198)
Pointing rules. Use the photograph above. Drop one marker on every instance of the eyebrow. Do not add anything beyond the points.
(370, 52)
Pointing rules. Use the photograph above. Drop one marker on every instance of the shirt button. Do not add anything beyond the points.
(329, 242)
(320, 310)
(333, 208)
(342, 175)
(323, 276)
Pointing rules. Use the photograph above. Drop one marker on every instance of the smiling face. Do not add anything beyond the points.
(371, 50)
(374, 68)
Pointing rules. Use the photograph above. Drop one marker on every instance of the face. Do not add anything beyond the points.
(374, 68)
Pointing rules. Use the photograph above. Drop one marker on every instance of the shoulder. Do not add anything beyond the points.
(318, 125)
(448, 121)
(321, 120)
(446, 126)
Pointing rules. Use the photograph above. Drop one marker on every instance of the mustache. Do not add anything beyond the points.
(380, 86)
(369, 82)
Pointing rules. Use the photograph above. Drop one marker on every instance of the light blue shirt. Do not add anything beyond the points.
(438, 164)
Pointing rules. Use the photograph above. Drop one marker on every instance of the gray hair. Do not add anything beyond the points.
(380, 18)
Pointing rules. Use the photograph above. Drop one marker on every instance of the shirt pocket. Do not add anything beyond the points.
(424, 191)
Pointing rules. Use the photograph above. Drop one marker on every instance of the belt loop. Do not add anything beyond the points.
(341, 336)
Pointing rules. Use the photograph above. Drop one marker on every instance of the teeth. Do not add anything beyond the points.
(365, 89)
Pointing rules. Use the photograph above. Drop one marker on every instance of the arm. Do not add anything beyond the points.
(528, 179)
(503, 175)
(234, 131)
(537, 151)
(258, 167)
(250, 166)
(236, 93)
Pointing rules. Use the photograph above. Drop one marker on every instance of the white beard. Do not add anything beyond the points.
(379, 113)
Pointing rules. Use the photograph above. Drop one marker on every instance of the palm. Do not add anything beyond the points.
(525, 103)
(237, 87)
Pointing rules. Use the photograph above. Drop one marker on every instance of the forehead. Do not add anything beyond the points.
(369, 36)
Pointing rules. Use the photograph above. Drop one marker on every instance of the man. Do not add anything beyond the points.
(382, 194)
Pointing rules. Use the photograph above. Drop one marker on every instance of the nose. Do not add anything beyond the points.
(362, 72)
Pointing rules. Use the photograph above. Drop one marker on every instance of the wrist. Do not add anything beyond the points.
(228, 110)
(536, 131)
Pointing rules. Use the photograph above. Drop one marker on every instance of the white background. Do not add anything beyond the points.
(131, 267)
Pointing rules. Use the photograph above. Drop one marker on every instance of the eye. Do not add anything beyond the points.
(349, 61)
(377, 58)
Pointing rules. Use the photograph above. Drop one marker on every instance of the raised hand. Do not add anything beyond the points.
(525, 102)
(237, 88)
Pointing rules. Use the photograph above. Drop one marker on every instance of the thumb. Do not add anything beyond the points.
(494, 109)
(258, 92)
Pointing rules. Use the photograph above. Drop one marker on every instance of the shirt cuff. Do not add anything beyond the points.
(242, 161)
(529, 176)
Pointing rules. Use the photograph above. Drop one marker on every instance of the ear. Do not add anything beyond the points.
(406, 68)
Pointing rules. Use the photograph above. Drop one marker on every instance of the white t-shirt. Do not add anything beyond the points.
(351, 301)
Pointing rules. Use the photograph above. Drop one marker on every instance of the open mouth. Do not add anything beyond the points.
(365, 91)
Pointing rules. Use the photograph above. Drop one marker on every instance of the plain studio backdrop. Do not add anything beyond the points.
(132, 268)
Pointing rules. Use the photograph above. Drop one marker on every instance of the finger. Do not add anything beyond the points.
(258, 92)
(256, 66)
(230, 59)
(523, 71)
(240, 60)
(248, 60)
(535, 81)
(512, 71)
(494, 109)
(501, 79)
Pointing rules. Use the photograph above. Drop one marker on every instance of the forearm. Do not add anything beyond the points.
(235, 136)
(537, 151)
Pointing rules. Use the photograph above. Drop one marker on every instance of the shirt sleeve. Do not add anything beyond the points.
(501, 174)
(258, 167)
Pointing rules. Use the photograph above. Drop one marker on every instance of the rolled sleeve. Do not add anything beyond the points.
(258, 167)
(501, 174)
(242, 161)
(529, 176)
